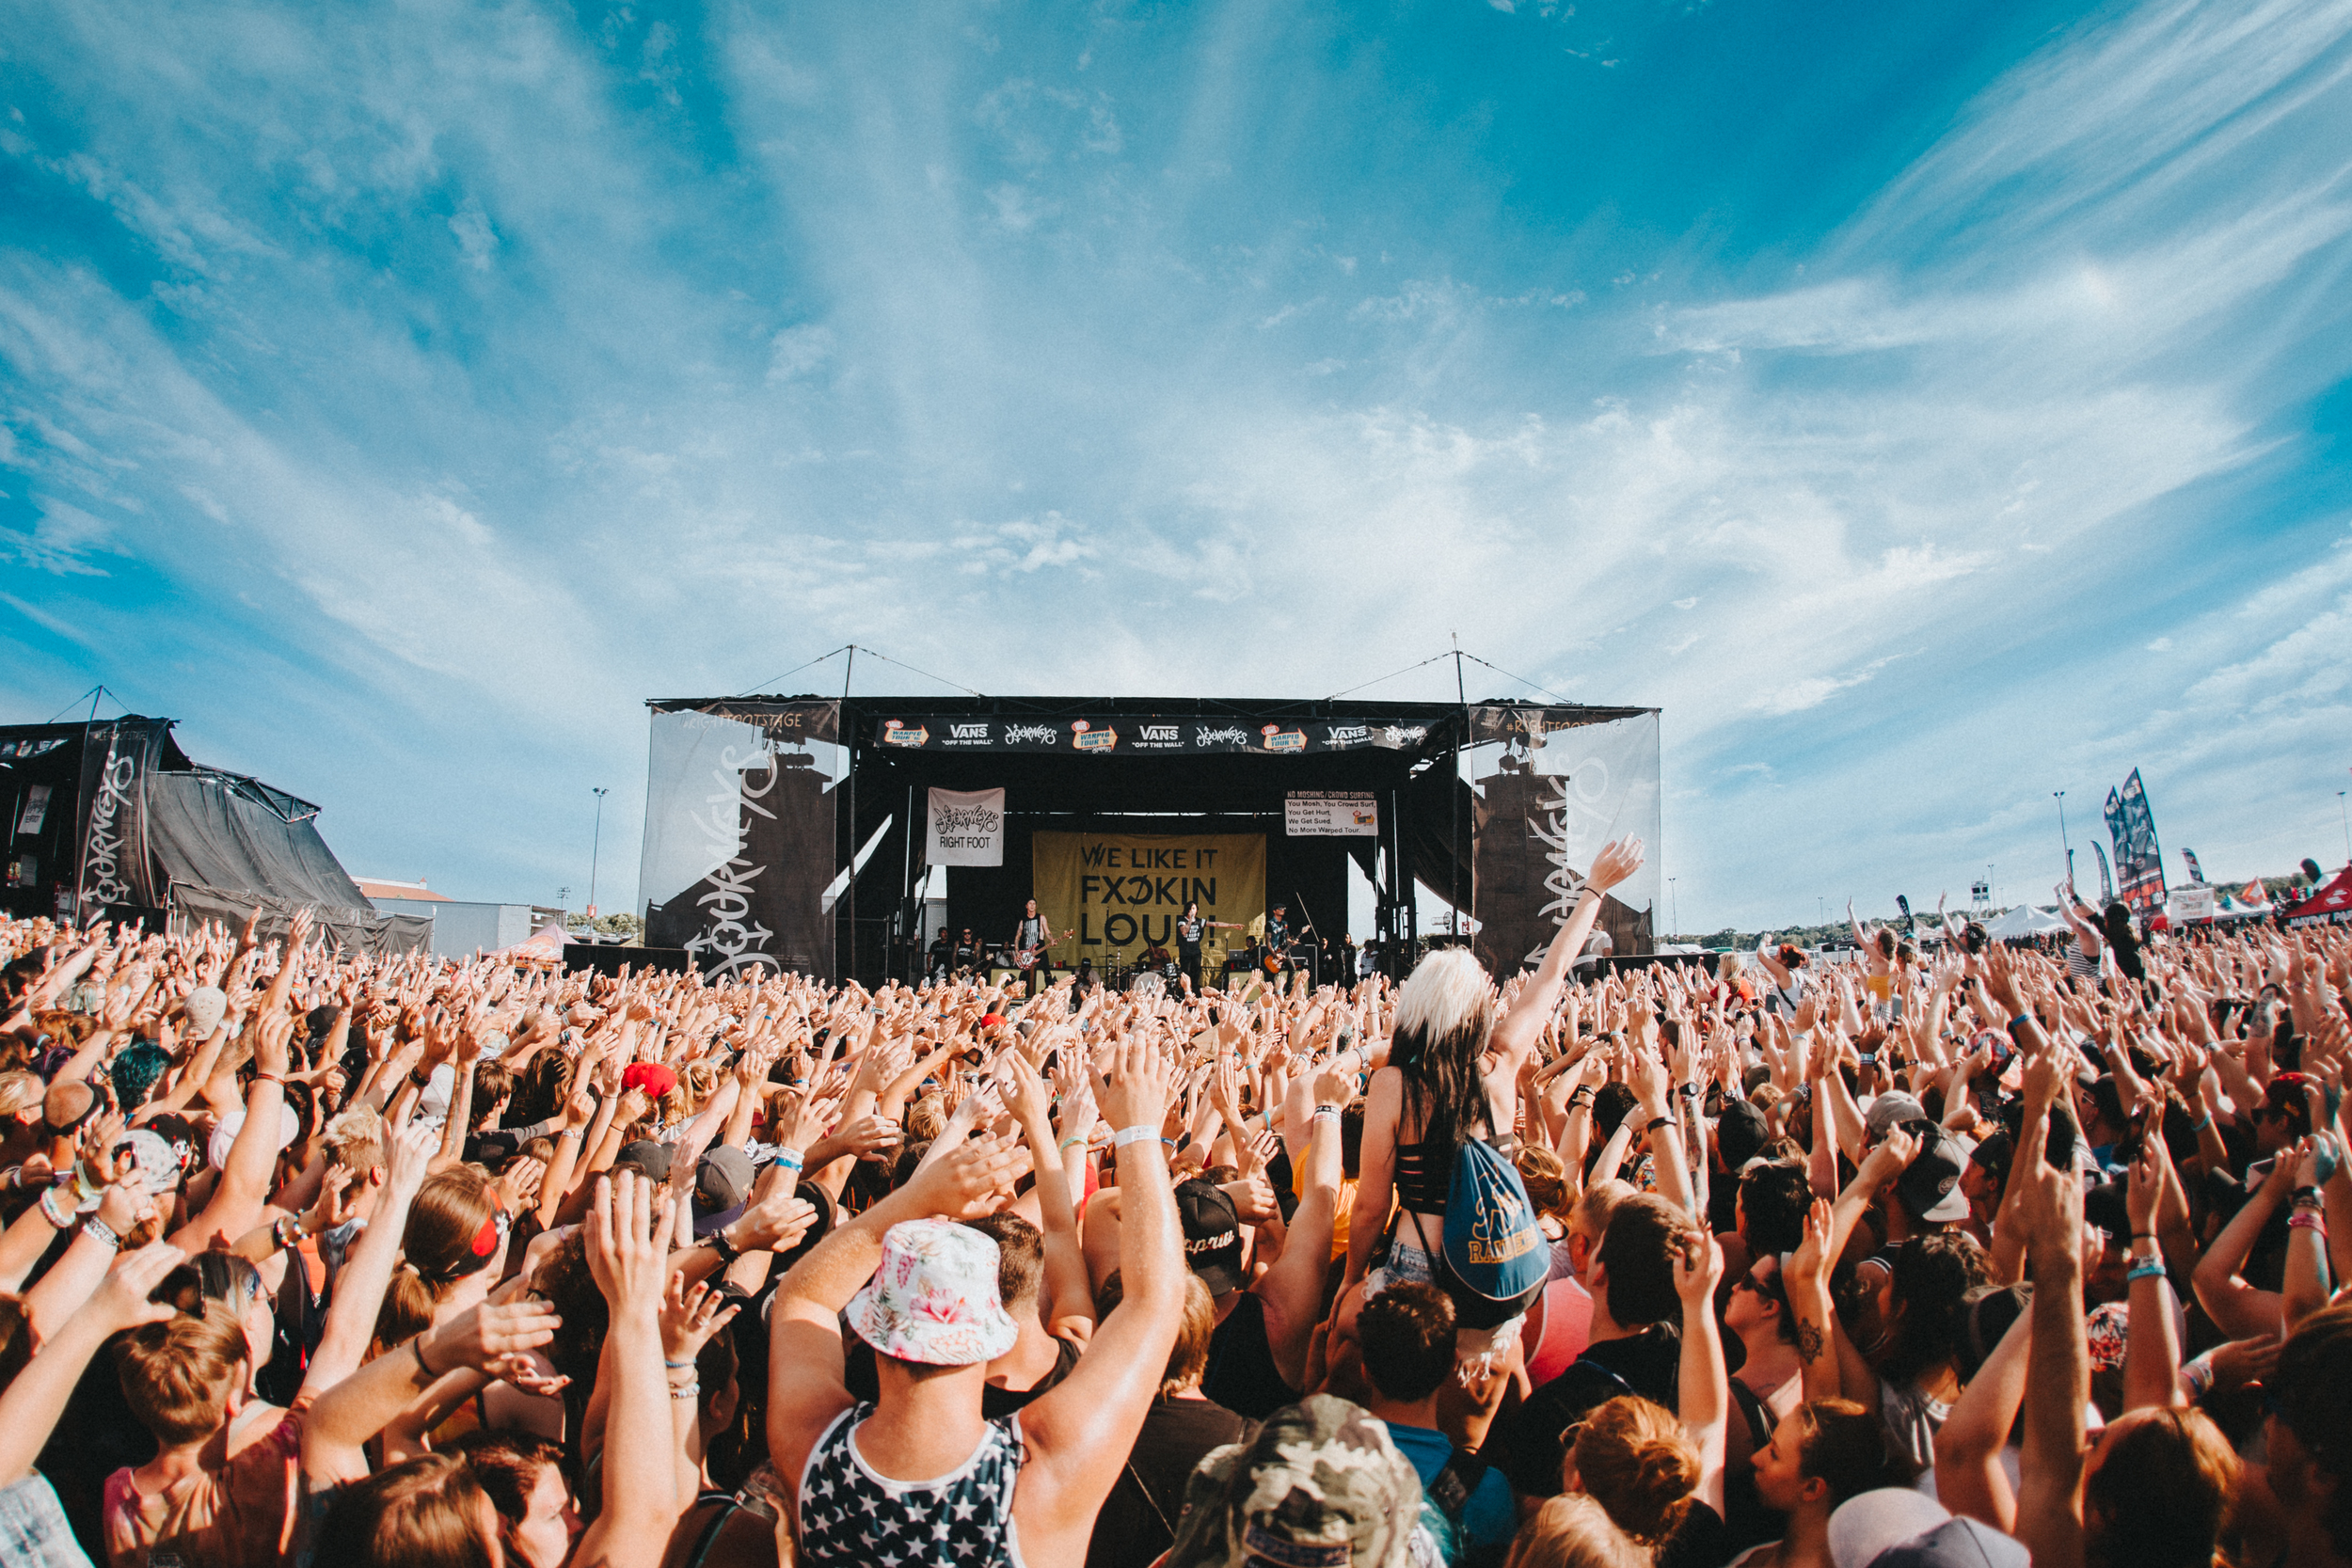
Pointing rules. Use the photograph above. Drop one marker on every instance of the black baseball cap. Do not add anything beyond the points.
(1212, 1234)
(1929, 1188)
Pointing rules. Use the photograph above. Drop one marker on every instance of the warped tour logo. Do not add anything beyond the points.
(1086, 738)
(897, 734)
(1280, 739)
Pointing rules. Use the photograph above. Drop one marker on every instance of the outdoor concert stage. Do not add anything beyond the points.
(1112, 810)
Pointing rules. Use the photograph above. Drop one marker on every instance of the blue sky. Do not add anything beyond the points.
(1927, 407)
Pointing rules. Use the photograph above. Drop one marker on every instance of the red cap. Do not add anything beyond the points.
(652, 1077)
(990, 1020)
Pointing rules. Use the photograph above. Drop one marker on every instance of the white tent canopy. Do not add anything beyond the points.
(2023, 921)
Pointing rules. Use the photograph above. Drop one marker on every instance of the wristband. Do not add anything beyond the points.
(1139, 1133)
(789, 1158)
(1661, 1121)
(1324, 1111)
(729, 1252)
(1582, 1097)
(2302, 1196)
(2147, 1268)
(102, 1233)
(269, 1078)
(2202, 1123)
(677, 1366)
(60, 1221)
(2308, 1219)
(415, 1348)
(1072, 1143)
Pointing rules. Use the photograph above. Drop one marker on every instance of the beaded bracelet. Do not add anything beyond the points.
(99, 1231)
(50, 1214)
(686, 1390)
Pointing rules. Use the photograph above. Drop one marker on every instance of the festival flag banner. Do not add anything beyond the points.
(2138, 862)
(114, 865)
(1110, 895)
(2196, 873)
(2106, 880)
(967, 828)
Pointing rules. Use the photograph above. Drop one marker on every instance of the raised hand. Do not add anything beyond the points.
(628, 1241)
(1698, 1267)
(691, 1315)
(490, 1336)
(121, 1302)
(970, 1179)
(1613, 864)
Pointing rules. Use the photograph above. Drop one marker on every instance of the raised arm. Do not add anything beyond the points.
(1292, 1287)
(628, 1250)
(1969, 1475)
(2058, 1376)
(1515, 1037)
(31, 1406)
(237, 1198)
(1080, 1434)
(1705, 1387)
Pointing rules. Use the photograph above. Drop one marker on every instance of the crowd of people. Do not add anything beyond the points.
(1939, 1253)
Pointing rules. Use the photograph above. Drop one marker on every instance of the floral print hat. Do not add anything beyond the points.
(934, 1298)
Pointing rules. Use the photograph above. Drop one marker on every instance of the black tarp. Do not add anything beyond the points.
(227, 843)
(113, 817)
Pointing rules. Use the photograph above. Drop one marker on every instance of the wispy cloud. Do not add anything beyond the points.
(460, 384)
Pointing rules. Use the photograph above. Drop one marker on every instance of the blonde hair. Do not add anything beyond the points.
(356, 1139)
(1634, 1459)
(19, 1092)
(1573, 1531)
(1446, 992)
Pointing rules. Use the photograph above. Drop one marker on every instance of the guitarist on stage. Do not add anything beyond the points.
(1277, 941)
(1029, 942)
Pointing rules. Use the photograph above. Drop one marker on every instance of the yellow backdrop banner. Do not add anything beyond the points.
(1111, 895)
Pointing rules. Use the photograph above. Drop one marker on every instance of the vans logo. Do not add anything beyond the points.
(967, 732)
(1342, 734)
(1169, 733)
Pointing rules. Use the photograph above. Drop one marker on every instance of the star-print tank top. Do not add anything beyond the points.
(850, 1514)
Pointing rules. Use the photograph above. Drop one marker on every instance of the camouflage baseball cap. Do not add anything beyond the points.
(1318, 1486)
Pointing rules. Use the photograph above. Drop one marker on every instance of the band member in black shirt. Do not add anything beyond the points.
(940, 958)
(967, 953)
(1277, 941)
(1190, 928)
(1031, 940)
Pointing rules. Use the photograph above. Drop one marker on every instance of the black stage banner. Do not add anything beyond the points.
(1123, 735)
(116, 759)
(740, 834)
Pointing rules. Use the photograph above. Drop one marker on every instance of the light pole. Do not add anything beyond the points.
(563, 897)
(2347, 828)
(595, 847)
(2062, 842)
(1992, 898)
(1676, 899)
